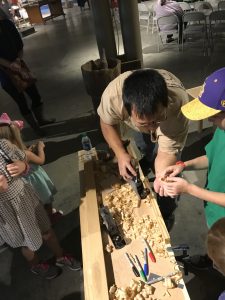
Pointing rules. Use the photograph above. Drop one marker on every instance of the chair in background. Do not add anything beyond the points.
(204, 7)
(163, 23)
(185, 6)
(144, 15)
(150, 5)
(216, 25)
(221, 5)
(194, 28)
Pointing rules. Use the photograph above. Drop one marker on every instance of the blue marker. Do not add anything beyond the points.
(146, 270)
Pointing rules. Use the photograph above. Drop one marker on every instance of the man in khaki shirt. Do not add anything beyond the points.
(149, 101)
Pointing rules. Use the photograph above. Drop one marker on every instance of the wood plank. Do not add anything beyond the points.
(95, 281)
(101, 267)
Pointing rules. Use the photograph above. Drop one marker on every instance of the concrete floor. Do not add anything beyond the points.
(55, 53)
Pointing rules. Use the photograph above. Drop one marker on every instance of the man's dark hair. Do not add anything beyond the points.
(145, 90)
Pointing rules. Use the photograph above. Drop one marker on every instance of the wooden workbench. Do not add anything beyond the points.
(100, 268)
(34, 11)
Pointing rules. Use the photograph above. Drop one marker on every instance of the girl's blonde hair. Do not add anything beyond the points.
(12, 133)
(216, 244)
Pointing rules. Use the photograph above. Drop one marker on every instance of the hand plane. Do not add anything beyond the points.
(136, 183)
(112, 228)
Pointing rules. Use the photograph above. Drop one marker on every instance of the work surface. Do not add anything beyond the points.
(135, 219)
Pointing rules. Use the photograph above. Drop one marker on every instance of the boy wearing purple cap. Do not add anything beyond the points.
(209, 105)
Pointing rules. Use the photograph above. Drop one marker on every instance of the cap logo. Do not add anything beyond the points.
(222, 103)
(202, 90)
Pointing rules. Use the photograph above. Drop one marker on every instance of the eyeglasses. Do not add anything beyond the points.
(151, 124)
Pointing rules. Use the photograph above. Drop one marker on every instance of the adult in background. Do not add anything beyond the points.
(166, 8)
(149, 102)
(16, 78)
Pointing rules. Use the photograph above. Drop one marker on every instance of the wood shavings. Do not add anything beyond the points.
(109, 248)
(121, 203)
(137, 290)
(169, 283)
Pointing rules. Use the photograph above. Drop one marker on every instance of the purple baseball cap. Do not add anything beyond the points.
(211, 99)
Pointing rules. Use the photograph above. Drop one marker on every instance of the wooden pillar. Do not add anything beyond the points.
(130, 27)
(104, 28)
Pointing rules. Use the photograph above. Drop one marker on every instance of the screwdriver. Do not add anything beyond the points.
(133, 267)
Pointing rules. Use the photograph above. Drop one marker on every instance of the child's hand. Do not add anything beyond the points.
(3, 184)
(16, 168)
(15, 66)
(176, 186)
(41, 145)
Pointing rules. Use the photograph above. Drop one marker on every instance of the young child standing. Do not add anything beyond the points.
(23, 220)
(40, 180)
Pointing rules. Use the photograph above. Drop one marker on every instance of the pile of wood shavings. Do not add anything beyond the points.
(138, 290)
(121, 202)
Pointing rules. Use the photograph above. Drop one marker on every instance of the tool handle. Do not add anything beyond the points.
(142, 274)
(145, 269)
(152, 256)
(135, 271)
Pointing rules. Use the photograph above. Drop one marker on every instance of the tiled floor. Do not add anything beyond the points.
(55, 53)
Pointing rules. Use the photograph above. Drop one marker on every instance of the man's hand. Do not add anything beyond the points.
(125, 167)
(3, 184)
(171, 171)
(158, 188)
(176, 187)
(16, 168)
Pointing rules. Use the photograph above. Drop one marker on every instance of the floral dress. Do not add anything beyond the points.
(23, 219)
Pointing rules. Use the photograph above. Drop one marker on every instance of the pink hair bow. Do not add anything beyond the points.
(5, 119)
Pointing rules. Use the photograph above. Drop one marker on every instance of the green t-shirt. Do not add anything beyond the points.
(215, 151)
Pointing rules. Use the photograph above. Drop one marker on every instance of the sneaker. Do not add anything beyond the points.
(200, 262)
(46, 270)
(68, 261)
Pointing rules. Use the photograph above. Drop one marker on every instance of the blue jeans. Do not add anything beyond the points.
(145, 145)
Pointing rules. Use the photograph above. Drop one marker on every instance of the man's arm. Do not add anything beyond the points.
(113, 139)
(163, 160)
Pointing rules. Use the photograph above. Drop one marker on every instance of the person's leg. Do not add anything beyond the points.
(30, 256)
(62, 259)
(38, 106)
(52, 242)
(21, 101)
(44, 270)
(17, 96)
(147, 149)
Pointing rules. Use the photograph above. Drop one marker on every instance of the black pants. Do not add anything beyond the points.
(20, 98)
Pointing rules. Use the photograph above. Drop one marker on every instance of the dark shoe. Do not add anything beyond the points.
(170, 40)
(39, 115)
(68, 261)
(46, 270)
(200, 262)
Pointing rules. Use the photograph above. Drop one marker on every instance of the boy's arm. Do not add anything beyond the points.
(198, 163)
